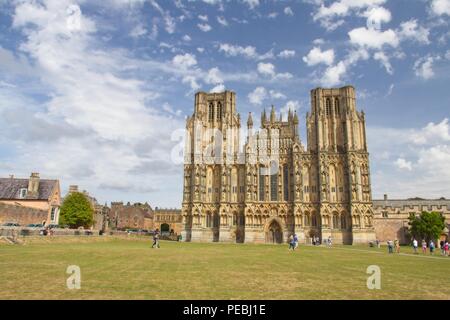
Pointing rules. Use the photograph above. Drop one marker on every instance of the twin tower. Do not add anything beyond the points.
(265, 186)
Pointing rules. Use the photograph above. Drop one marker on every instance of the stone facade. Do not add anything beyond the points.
(276, 187)
(391, 216)
(34, 193)
(130, 216)
(167, 220)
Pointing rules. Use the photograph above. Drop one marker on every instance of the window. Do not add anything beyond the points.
(328, 106)
(337, 107)
(219, 111)
(53, 214)
(211, 112)
(385, 214)
(22, 193)
(208, 220)
(286, 182)
(274, 187)
(343, 222)
(262, 184)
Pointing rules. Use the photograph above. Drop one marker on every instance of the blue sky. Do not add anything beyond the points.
(95, 93)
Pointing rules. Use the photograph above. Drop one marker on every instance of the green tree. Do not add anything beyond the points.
(428, 225)
(76, 211)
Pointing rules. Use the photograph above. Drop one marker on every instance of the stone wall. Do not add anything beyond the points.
(21, 215)
(391, 229)
(8, 232)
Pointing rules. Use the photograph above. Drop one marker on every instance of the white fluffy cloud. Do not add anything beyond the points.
(204, 27)
(376, 16)
(333, 75)
(247, 51)
(288, 11)
(440, 7)
(286, 54)
(257, 96)
(184, 61)
(214, 76)
(403, 164)
(330, 17)
(373, 38)
(317, 56)
(266, 69)
(433, 133)
(411, 30)
(222, 21)
(423, 67)
(384, 60)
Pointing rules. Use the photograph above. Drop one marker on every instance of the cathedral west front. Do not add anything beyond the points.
(266, 184)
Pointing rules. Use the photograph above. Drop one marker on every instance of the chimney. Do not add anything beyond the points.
(33, 184)
(385, 197)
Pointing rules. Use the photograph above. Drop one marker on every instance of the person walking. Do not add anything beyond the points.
(156, 240)
(295, 241)
(431, 247)
(291, 243)
(397, 246)
(446, 248)
(424, 246)
(415, 245)
(441, 245)
(329, 242)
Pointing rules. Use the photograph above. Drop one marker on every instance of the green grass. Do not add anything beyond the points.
(113, 268)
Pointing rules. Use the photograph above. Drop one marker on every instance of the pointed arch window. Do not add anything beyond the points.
(262, 183)
(211, 112)
(328, 106)
(219, 111)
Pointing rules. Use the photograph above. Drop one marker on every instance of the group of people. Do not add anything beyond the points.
(444, 245)
(431, 246)
(392, 245)
(293, 241)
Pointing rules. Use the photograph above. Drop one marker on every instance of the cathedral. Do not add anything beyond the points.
(261, 186)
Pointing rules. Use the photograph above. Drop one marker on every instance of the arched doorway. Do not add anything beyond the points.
(165, 229)
(274, 233)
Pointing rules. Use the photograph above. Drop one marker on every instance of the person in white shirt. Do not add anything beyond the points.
(415, 245)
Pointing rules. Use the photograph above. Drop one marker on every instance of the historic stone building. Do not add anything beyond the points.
(130, 216)
(391, 216)
(32, 200)
(168, 221)
(276, 186)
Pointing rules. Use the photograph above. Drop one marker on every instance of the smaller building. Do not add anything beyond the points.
(130, 216)
(391, 216)
(32, 200)
(167, 220)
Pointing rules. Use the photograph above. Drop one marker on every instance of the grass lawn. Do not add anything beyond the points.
(113, 268)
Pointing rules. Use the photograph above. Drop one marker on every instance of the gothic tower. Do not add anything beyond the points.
(211, 178)
(337, 139)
